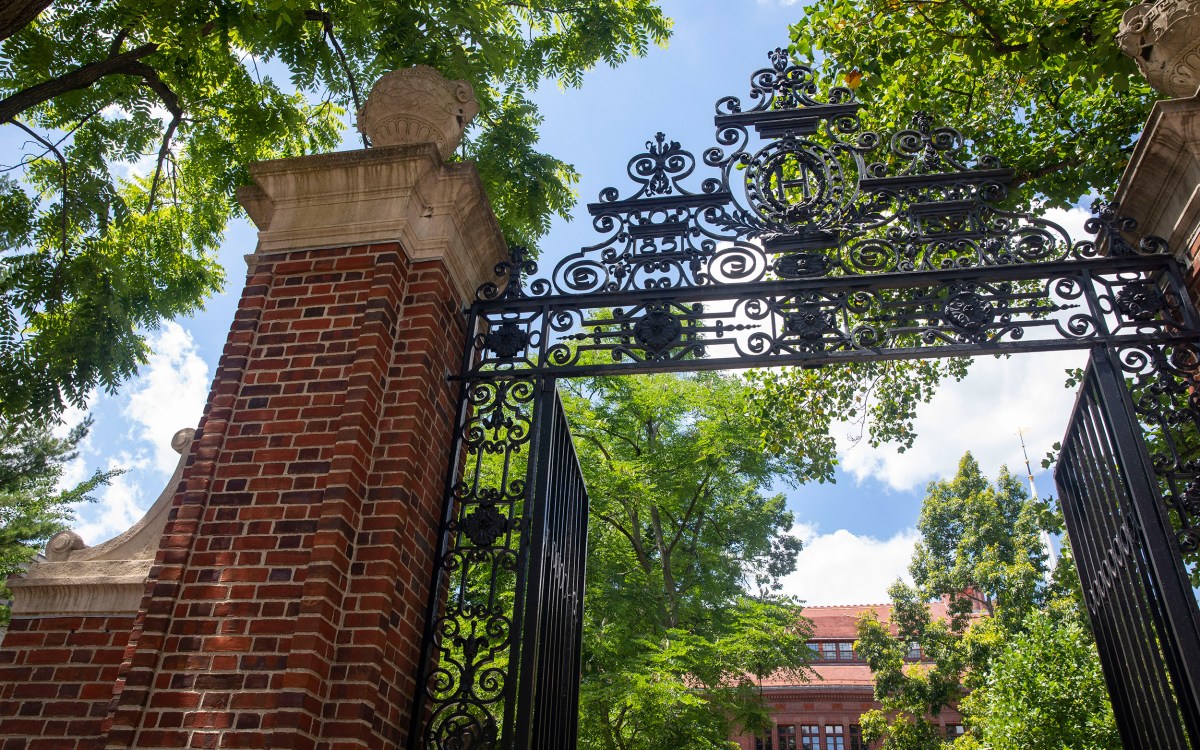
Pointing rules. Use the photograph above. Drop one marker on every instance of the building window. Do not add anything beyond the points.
(856, 740)
(846, 650)
(764, 743)
(829, 650)
(954, 730)
(834, 740)
(914, 650)
(810, 737)
(815, 648)
(787, 737)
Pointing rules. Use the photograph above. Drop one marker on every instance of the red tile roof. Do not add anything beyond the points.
(840, 621)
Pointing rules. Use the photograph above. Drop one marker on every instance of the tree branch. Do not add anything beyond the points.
(79, 78)
(701, 491)
(63, 163)
(17, 14)
(170, 100)
(326, 22)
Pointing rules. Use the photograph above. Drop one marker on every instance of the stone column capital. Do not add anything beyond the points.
(403, 194)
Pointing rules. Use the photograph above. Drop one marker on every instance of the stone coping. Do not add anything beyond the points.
(401, 194)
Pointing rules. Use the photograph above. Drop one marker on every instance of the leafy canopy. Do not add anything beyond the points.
(686, 549)
(1044, 691)
(982, 540)
(138, 118)
(798, 410)
(1039, 83)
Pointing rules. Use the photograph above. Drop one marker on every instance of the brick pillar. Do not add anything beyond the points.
(285, 608)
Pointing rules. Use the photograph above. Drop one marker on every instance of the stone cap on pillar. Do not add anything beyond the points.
(400, 191)
(109, 578)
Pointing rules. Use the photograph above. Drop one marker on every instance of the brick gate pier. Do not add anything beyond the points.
(274, 595)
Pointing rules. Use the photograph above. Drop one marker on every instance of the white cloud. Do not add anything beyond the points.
(169, 393)
(845, 568)
(118, 506)
(982, 413)
(1071, 220)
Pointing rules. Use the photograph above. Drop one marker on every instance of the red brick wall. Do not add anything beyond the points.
(285, 607)
(56, 680)
(824, 707)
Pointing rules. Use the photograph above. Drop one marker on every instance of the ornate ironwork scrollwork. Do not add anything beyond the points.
(474, 633)
(809, 241)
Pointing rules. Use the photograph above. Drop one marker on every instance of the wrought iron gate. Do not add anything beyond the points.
(548, 692)
(1128, 555)
(813, 241)
(507, 642)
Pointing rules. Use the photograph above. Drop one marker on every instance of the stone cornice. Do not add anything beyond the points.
(109, 578)
(1161, 185)
(401, 194)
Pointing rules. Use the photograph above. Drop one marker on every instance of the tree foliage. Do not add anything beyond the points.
(980, 539)
(980, 551)
(1040, 84)
(139, 117)
(1043, 691)
(32, 506)
(686, 549)
(801, 411)
(1026, 673)
(912, 693)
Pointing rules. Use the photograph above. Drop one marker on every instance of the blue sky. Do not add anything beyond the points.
(859, 531)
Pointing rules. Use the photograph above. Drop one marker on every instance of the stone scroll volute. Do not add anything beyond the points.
(418, 105)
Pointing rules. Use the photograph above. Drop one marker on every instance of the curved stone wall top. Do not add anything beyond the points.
(108, 578)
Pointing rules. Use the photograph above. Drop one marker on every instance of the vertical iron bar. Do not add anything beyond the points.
(523, 653)
(539, 482)
(1083, 545)
(1127, 583)
(1181, 635)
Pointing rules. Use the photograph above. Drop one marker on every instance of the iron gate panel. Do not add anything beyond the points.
(1142, 610)
(547, 705)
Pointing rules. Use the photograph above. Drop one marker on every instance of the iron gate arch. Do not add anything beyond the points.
(813, 241)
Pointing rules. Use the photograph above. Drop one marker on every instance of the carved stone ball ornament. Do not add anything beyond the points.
(1164, 39)
(418, 105)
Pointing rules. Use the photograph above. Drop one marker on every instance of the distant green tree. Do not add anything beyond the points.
(32, 506)
(1041, 84)
(1043, 691)
(912, 694)
(982, 540)
(138, 119)
(980, 544)
(686, 550)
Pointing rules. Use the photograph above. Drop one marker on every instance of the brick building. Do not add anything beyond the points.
(823, 714)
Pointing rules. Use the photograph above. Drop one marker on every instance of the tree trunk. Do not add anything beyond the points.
(664, 554)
